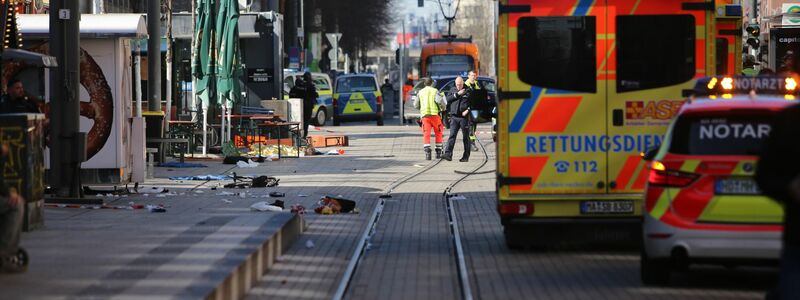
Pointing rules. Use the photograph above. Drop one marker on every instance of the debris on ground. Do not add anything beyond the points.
(175, 164)
(271, 151)
(227, 201)
(278, 203)
(298, 209)
(201, 177)
(457, 197)
(334, 205)
(249, 164)
(264, 206)
(156, 208)
(277, 194)
(309, 244)
(265, 181)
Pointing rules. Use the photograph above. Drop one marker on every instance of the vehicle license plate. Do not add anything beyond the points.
(607, 207)
(357, 100)
(737, 186)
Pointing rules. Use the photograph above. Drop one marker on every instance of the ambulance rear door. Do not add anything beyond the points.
(655, 50)
(552, 117)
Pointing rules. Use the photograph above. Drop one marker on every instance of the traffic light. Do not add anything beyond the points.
(754, 31)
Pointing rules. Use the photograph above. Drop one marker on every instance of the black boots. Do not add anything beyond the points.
(428, 153)
(447, 156)
(438, 153)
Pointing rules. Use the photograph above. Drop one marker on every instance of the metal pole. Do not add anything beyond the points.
(154, 55)
(194, 79)
(168, 116)
(137, 76)
(402, 75)
(65, 158)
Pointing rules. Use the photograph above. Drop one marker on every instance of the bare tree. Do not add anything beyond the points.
(364, 24)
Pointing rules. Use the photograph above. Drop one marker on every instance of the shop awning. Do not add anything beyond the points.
(92, 26)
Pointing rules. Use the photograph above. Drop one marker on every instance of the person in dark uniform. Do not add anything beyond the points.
(309, 101)
(15, 101)
(778, 175)
(458, 108)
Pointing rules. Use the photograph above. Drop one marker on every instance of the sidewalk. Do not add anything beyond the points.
(207, 244)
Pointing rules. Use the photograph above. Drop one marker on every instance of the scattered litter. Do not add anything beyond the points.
(457, 197)
(202, 177)
(227, 201)
(278, 203)
(419, 165)
(309, 244)
(277, 194)
(198, 192)
(248, 164)
(298, 209)
(302, 195)
(146, 195)
(155, 190)
(223, 193)
(335, 152)
(270, 152)
(334, 205)
(265, 181)
(175, 164)
(244, 195)
(156, 208)
(161, 195)
(264, 206)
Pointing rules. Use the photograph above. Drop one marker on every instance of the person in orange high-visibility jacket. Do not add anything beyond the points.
(429, 106)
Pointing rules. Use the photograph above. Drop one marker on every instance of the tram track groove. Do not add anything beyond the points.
(364, 241)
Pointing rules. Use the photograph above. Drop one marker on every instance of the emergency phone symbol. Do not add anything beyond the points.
(562, 166)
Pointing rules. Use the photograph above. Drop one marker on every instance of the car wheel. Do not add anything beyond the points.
(654, 271)
(321, 117)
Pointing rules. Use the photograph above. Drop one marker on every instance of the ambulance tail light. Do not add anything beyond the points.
(379, 100)
(516, 208)
(661, 176)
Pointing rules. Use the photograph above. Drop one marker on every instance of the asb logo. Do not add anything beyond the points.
(656, 110)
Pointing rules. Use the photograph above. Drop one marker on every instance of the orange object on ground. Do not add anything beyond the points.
(321, 141)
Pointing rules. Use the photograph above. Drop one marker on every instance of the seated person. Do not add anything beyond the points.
(15, 101)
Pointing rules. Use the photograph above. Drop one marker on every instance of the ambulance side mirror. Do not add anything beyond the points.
(650, 154)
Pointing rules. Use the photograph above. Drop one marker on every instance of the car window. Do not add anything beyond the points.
(448, 86)
(289, 82)
(321, 83)
(355, 84)
(489, 85)
(558, 52)
(720, 135)
(654, 42)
